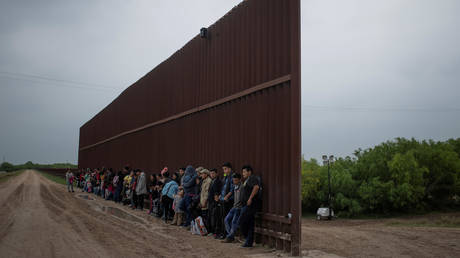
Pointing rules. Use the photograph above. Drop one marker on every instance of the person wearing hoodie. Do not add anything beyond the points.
(141, 190)
(189, 190)
(167, 195)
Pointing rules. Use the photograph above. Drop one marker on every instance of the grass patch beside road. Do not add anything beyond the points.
(445, 221)
(5, 176)
(57, 179)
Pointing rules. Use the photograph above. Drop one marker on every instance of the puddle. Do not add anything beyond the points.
(86, 197)
(121, 214)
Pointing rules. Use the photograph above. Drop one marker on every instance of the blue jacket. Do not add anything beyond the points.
(170, 189)
(189, 180)
(227, 186)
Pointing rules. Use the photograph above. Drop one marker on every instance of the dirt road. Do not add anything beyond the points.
(39, 218)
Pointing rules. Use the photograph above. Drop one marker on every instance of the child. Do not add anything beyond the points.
(178, 212)
(109, 192)
(88, 186)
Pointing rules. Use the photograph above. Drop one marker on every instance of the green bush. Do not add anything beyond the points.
(395, 176)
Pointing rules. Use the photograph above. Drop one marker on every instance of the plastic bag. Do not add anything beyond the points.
(201, 226)
(194, 228)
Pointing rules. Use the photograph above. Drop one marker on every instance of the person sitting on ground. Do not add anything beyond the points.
(232, 220)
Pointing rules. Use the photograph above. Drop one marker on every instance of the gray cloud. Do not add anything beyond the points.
(371, 70)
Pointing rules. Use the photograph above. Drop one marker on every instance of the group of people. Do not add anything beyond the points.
(223, 203)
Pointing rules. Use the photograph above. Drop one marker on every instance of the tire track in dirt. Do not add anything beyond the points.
(44, 220)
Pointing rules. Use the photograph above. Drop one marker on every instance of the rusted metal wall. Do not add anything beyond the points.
(234, 96)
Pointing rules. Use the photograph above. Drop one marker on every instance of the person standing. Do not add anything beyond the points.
(232, 220)
(225, 198)
(204, 194)
(214, 221)
(141, 190)
(69, 180)
(167, 196)
(251, 204)
(189, 182)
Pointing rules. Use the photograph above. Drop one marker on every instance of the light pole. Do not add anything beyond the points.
(328, 162)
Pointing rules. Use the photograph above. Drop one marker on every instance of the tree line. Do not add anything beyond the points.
(399, 176)
(8, 167)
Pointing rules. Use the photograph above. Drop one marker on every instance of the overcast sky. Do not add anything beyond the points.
(371, 70)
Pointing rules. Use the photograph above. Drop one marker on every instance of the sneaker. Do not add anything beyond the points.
(246, 245)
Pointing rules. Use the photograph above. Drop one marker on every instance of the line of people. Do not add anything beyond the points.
(200, 199)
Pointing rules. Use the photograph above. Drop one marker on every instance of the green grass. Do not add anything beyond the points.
(6, 176)
(57, 179)
(441, 223)
(446, 220)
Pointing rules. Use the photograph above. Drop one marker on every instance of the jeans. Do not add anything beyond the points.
(188, 212)
(167, 210)
(247, 218)
(70, 186)
(140, 201)
(232, 222)
(116, 196)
